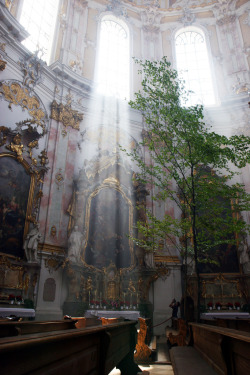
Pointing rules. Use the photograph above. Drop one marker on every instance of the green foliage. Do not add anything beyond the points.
(188, 164)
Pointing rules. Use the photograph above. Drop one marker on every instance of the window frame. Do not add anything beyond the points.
(53, 40)
(205, 34)
(127, 27)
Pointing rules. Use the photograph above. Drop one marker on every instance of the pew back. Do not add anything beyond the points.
(227, 350)
(73, 351)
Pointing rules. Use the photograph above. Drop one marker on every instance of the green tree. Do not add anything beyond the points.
(191, 165)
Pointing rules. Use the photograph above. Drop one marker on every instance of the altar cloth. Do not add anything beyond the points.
(126, 314)
(225, 315)
(17, 311)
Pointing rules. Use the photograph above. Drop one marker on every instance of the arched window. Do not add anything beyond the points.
(39, 19)
(113, 58)
(193, 65)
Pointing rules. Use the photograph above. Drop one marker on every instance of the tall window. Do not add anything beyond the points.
(113, 58)
(193, 66)
(39, 19)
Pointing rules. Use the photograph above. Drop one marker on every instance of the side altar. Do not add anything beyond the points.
(103, 267)
(125, 314)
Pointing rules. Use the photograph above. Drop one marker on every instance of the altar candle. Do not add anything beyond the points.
(100, 298)
(89, 297)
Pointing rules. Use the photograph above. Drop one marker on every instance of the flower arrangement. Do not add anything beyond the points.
(11, 297)
(115, 304)
(127, 303)
(237, 304)
(218, 304)
(210, 304)
(104, 302)
(19, 298)
(229, 305)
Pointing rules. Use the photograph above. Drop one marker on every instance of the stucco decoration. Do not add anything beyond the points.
(224, 11)
(191, 3)
(66, 115)
(32, 69)
(117, 8)
(188, 17)
(14, 93)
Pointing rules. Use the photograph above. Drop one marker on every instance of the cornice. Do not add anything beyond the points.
(13, 26)
(66, 73)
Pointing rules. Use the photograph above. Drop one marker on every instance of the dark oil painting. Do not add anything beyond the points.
(108, 230)
(14, 192)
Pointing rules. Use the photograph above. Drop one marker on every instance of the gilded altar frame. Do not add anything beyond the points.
(114, 184)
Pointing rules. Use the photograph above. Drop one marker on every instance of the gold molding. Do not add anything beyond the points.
(2, 64)
(167, 259)
(51, 248)
(220, 280)
(112, 183)
(66, 115)
(14, 93)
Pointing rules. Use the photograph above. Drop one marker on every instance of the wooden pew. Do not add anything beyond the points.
(95, 350)
(215, 350)
(240, 324)
(180, 337)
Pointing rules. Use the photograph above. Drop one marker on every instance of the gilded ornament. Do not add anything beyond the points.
(59, 179)
(53, 231)
(38, 196)
(3, 135)
(39, 177)
(2, 46)
(17, 147)
(66, 115)
(53, 263)
(43, 158)
(14, 93)
(2, 64)
(32, 67)
(8, 3)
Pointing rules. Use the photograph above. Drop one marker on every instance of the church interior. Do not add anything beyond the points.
(68, 197)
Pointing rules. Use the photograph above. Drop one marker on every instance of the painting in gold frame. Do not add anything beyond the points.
(109, 218)
(16, 197)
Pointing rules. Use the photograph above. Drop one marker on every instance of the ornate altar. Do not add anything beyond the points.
(110, 270)
(23, 164)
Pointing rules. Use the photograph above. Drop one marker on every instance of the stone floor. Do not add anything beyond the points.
(152, 369)
(162, 366)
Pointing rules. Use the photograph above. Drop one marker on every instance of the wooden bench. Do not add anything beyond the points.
(180, 337)
(73, 351)
(238, 323)
(215, 350)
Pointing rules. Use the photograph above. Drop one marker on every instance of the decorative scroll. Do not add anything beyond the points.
(14, 93)
(221, 288)
(66, 115)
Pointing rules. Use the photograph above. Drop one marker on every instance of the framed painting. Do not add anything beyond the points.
(108, 226)
(16, 196)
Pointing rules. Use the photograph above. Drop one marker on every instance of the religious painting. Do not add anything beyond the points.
(108, 230)
(14, 195)
(222, 259)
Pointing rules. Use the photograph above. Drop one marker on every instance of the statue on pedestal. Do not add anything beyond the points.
(31, 244)
(75, 244)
